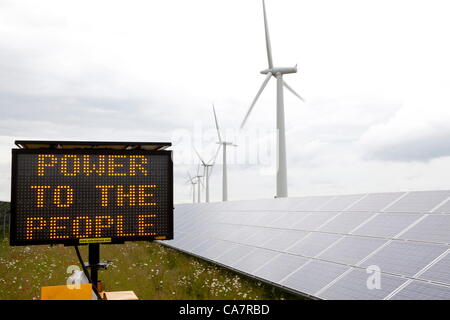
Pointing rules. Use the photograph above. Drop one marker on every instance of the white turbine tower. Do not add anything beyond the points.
(277, 72)
(207, 171)
(193, 182)
(224, 145)
(199, 182)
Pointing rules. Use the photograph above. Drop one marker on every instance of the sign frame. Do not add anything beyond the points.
(73, 242)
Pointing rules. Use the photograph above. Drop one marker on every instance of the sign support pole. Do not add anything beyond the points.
(94, 262)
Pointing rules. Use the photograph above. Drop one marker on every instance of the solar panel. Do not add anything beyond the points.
(405, 258)
(309, 203)
(345, 222)
(443, 208)
(314, 221)
(439, 272)
(353, 286)
(279, 267)
(313, 244)
(266, 219)
(341, 202)
(419, 201)
(283, 239)
(217, 248)
(418, 290)
(253, 260)
(313, 276)
(321, 246)
(236, 252)
(261, 236)
(350, 250)
(387, 225)
(287, 220)
(375, 201)
(434, 228)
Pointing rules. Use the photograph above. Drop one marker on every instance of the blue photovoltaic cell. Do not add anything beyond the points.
(444, 208)
(289, 219)
(341, 202)
(241, 233)
(283, 239)
(345, 222)
(202, 247)
(419, 201)
(418, 290)
(279, 267)
(314, 221)
(434, 228)
(354, 286)
(387, 225)
(310, 203)
(217, 248)
(313, 276)
(351, 250)
(260, 237)
(440, 271)
(405, 258)
(266, 219)
(254, 260)
(232, 256)
(313, 244)
(375, 201)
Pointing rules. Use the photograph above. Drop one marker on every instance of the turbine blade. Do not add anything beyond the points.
(214, 160)
(215, 156)
(217, 124)
(198, 155)
(256, 98)
(268, 46)
(201, 182)
(292, 90)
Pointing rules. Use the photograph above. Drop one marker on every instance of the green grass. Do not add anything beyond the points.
(151, 270)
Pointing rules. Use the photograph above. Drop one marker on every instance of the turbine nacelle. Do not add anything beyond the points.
(281, 70)
(226, 143)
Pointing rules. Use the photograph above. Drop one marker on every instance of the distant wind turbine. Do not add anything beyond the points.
(199, 182)
(277, 72)
(206, 170)
(224, 145)
(193, 182)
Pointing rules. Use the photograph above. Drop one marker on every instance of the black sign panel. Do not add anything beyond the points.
(90, 196)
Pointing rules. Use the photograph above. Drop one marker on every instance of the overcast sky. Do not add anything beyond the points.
(375, 76)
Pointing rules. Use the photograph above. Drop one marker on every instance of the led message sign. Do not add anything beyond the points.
(90, 196)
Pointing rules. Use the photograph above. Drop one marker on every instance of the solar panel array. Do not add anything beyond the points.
(324, 247)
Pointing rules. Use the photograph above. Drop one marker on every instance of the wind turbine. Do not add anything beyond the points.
(277, 72)
(193, 182)
(224, 145)
(206, 171)
(199, 181)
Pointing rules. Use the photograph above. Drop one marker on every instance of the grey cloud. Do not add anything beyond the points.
(421, 149)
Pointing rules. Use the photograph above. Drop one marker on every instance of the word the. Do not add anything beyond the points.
(132, 195)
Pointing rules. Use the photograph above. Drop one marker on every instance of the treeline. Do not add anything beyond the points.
(4, 208)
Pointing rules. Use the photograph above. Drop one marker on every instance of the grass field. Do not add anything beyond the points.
(151, 270)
